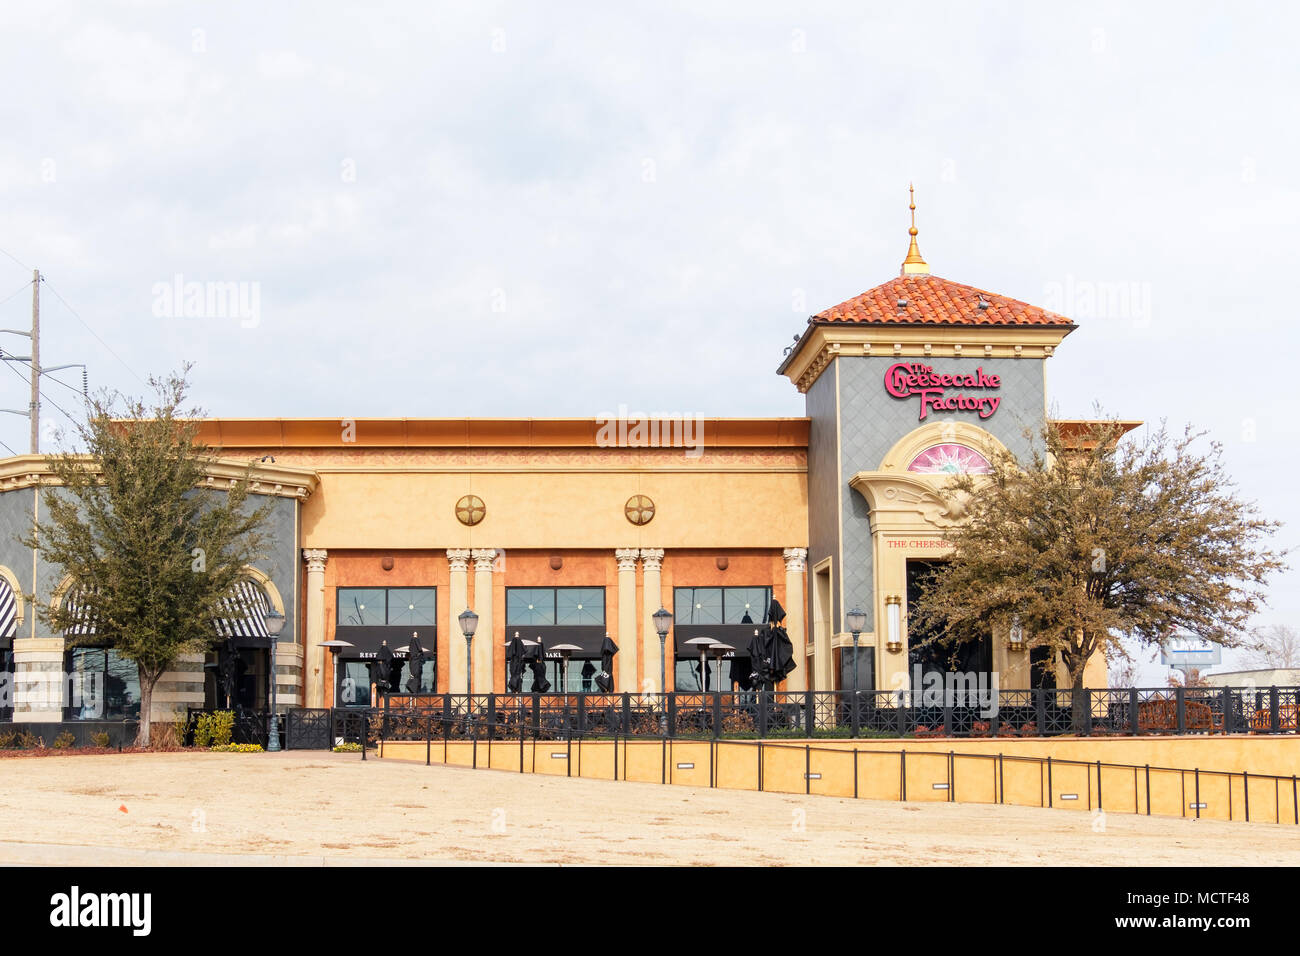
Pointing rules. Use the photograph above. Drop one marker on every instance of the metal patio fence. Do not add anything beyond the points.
(814, 714)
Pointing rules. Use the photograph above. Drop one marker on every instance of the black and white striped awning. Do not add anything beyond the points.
(245, 612)
(83, 623)
(8, 613)
(243, 616)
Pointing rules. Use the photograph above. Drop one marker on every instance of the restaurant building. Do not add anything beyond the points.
(566, 530)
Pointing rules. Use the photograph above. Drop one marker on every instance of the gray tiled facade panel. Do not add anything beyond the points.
(872, 421)
(15, 521)
(823, 486)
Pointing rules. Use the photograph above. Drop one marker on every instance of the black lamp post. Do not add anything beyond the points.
(856, 621)
(468, 625)
(663, 621)
(274, 625)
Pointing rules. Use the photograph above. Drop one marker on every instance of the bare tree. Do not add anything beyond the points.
(1090, 542)
(1276, 646)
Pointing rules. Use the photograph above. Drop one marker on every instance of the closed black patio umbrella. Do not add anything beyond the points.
(535, 655)
(759, 669)
(381, 670)
(771, 653)
(780, 651)
(605, 679)
(415, 661)
(515, 665)
(227, 673)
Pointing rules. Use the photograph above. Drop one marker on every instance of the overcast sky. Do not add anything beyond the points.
(554, 209)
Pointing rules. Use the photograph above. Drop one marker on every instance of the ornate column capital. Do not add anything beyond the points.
(315, 558)
(458, 558)
(652, 558)
(626, 558)
(484, 559)
(795, 558)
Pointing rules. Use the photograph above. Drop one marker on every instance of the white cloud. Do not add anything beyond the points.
(381, 176)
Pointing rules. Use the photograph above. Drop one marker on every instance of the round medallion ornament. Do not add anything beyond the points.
(470, 510)
(639, 509)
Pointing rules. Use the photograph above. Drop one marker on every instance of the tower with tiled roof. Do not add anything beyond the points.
(906, 383)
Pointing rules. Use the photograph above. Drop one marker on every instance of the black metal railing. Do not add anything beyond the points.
(781, 714)
(250, 727)
(813, 714)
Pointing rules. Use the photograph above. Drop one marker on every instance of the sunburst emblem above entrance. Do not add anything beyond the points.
(950, 459)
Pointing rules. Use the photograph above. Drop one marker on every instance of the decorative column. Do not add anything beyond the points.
(458, 559)
(315, 558)
(627, 636)
(653, 599)
(795, 560)
(485, 637)
(39, 688)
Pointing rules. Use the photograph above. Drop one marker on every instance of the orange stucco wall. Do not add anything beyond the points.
(532, 568)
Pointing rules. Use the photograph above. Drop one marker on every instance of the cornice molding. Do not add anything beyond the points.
(25, 471)
(825, 342)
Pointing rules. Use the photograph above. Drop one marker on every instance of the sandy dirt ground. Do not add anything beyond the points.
(333, 809)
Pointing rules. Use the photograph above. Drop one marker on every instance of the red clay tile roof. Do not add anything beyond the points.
(935, 301)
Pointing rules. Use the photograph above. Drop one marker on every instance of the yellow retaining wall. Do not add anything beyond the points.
(1162, 779)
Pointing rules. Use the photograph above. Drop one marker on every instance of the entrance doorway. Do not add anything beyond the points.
(251, 687)
(968, 657)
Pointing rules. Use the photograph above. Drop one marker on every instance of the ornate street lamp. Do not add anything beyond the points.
(274, 621)
(856, 621)
(468, 625)
(663, 622)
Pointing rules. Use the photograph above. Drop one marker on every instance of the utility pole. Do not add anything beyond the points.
(33, 411)
(34, 408)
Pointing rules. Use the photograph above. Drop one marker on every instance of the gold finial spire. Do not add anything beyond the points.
(913, 265)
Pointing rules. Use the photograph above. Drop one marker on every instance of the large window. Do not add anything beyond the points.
(687, 678)
(103, 685)
(6, 684)
(555, 607)
(721, 605)
(380, 607)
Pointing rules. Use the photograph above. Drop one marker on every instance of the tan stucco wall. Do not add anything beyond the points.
(557, 510)
(973, 774)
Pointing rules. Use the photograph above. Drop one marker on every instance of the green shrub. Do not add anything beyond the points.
(100, 739)
(28, 741)
(348, 748)
(65, 740)
(8, 740)
(214, 729)
(203, 730)
(237, 749)
(223, 725)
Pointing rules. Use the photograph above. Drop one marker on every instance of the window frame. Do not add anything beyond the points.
(555, 604)
(388, 592)
(768, 589)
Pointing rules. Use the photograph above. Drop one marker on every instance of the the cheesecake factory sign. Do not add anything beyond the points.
(944, 391)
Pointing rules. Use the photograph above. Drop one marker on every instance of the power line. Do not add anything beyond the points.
(23, 264)
(43, 395)
(71, 388)
(84, 323)
(23, 288)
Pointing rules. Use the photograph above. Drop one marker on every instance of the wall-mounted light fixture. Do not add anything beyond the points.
(1016, 636)
(894, 623)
